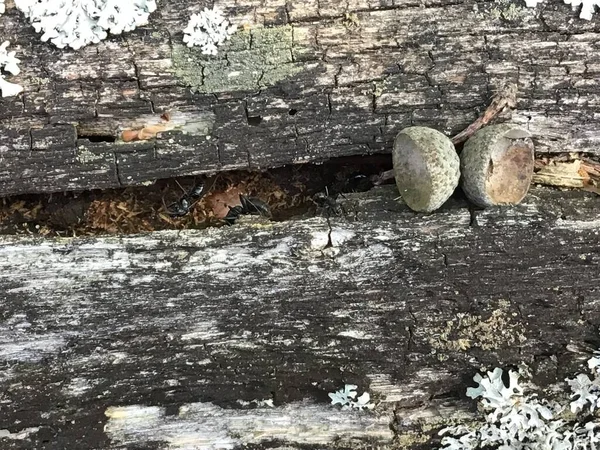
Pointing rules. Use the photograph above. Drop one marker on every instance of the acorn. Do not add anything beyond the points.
(497, 165)
(426, 167)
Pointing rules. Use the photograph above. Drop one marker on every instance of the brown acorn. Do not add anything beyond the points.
(497, 165)
(426, 167)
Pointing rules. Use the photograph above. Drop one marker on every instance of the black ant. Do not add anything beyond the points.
(248, 205)
(183, 206)
(328, 203)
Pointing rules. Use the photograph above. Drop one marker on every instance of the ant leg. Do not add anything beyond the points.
(168, 209)
(164, 203)
(245, 202)
(259, 207)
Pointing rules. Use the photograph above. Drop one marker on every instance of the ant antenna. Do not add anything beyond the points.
(180, 186)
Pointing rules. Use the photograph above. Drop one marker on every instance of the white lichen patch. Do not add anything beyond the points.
(78, 387)
(339, 236)
(2, 7)
(75, 24)
(205, 426)
(17, 346)
(587, 6)
(585, 226)
(510, 11)
(410, 389)
(100, 356)
(207, 30)
(356, 334)
(258, 403)
(516, 419)
(355, 262)
(203, 331)
(320, 240)
(586, 391)
(9, 63)
(348, 398)
(18, 435)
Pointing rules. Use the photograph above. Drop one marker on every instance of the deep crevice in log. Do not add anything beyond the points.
(287, 190)
(98, 137)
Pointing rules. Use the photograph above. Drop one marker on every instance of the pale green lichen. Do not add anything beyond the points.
(351, 20)
(411, 439)
(468, 330)
(250, 60)
(378, 88)
(508, 10)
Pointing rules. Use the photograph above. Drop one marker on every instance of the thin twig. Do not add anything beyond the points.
(382, 177)
(506, 97)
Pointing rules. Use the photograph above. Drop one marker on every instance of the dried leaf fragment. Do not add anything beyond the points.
(146, 133)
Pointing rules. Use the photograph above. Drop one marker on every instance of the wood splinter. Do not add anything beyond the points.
(505, 97)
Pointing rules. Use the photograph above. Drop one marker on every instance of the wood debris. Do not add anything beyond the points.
(146, 133)
(568, 171)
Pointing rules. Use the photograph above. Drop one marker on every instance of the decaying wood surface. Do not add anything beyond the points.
(304, 80)
(161, 340)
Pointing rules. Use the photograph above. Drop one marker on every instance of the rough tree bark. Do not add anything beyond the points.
(305, 80)
(159, 340)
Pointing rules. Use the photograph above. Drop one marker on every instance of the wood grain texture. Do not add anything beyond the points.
(306, 81)
(140, 341)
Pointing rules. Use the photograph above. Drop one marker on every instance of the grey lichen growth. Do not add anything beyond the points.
(84, 156)
(426, 167)
(251, 60)
(497, 165)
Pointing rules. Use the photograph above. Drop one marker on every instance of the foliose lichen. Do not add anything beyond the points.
(9, 63)
(514, 419)
(587, 6)
(347, 398)
(207, 30)
(75, 24)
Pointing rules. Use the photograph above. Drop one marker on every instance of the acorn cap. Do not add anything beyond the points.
(426, 167)
(497, 165)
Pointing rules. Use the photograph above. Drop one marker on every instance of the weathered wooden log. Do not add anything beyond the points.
(161, 340)
(304, 80)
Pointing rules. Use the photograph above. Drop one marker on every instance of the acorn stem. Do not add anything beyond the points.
(506, 97)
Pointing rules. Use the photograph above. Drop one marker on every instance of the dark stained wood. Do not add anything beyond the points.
(135, 342)
(309, 80)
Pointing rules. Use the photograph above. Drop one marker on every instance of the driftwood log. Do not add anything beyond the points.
(303, 80)
(172, 339)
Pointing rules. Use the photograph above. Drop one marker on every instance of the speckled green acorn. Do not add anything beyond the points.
(426, 167)
(497, 165)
